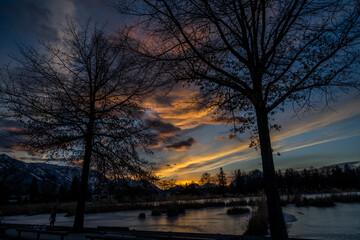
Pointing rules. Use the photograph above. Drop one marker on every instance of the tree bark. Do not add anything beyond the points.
(82, 194)
(278, 229)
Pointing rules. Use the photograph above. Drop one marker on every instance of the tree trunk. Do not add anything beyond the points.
(82, 194)
(276, 219)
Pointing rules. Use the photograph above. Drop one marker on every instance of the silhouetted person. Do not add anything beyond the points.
(52, 217)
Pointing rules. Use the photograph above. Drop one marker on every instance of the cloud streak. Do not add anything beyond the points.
(296, 134)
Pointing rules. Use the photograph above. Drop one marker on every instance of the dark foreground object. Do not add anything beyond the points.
(238, 210)
(111, 237)
(39, 232)
(123, 233)
(106, 229)
(3, 231)
(156, 235)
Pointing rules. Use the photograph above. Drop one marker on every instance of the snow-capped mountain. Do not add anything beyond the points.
(350, 165)
(125, 184)
(21, 174)
(18, 174)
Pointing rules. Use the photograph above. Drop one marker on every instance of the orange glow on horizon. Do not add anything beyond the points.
(186, 182)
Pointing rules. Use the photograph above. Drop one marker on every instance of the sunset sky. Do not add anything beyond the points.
(196, 142)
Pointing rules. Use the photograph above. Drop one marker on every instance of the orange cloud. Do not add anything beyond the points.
(214, 154)
(14, 129)
(179, 108)
(227, 138)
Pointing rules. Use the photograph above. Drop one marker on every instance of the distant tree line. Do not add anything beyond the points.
(51, 191)
(291, 181)
(39, 191)
(319, 180)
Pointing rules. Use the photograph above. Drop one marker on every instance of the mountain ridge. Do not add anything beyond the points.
(17, 173)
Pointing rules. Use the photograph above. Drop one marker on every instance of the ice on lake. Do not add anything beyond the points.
(341, 222)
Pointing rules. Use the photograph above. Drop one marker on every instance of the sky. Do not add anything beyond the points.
(196, 143)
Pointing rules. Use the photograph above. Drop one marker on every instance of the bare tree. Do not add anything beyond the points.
(81, 101)
(250, 58)
(205, 178)
(166, 184)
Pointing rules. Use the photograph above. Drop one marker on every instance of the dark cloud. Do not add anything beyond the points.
(165, 100)
(7, 123)
(8, 141)
(163, 132)
(227, 138)
(23, 18)
(160, 126)
(182, 145)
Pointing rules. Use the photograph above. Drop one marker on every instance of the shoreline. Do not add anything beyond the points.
(104, 206)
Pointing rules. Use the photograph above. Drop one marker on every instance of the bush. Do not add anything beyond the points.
(156, 212)
(172, 212)
(181, 210)
(258, 223)
(252, 203)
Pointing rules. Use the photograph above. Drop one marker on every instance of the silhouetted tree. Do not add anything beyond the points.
(357, 177)
(10, 181)
(222, 180)
(81, 100)
(49, 189)
(205, 178)
(63, 194)
(238, 180)
(249, 58)
(166, 184)
(74, 188)
(307, 180)
(5, 193)
(337, 175)
(33, 190)
(4, 185)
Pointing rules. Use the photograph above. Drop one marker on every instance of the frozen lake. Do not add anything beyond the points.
(209, 220)
(334, 223)
(341, 222)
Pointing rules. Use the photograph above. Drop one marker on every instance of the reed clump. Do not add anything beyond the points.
(259, 221)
